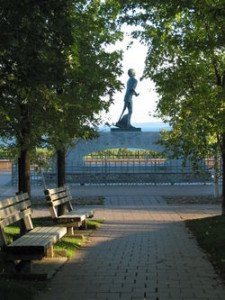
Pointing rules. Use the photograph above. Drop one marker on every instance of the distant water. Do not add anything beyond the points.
(151, 126)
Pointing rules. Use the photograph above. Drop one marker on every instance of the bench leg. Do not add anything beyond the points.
(70, 231)
(50, 252)
(84, 224)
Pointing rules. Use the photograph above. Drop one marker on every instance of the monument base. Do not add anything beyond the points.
(125, 129)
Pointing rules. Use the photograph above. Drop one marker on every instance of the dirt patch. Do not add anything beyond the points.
(95, 200)
(192, 199)
(81, 201)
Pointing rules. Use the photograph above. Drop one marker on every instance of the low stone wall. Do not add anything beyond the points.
(108, 178)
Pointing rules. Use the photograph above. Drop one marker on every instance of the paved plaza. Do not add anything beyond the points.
(142, 251)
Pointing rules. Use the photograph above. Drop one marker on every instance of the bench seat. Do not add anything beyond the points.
(87, 213)
(36, 241)
(72, 216)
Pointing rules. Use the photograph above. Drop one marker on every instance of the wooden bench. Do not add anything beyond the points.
(70, 217)
(34, 244)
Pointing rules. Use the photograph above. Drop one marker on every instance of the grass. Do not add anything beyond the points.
(210, 235)
(94, 223)
(68, 246)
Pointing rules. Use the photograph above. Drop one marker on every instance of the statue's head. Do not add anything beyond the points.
(131, 72)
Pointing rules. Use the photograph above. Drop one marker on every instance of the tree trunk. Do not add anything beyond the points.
(23, 179)
(24, 156)
(223, 174)
(61, 177)
(24, 172)
(24, 146)
(216, 175)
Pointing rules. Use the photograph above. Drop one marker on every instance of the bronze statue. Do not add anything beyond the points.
(124, 121)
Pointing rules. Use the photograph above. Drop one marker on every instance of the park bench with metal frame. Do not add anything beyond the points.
(62, 211)
(35, 244)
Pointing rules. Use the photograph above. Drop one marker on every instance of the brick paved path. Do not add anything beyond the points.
(142, 251)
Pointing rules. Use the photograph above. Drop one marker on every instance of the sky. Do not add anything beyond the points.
(144, 105)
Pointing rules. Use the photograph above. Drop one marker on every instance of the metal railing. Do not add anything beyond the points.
(136, 170)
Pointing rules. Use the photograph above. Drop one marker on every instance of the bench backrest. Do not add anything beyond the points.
(60, 196)
(12, 210)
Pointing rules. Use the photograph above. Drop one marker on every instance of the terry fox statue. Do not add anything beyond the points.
(124, 121)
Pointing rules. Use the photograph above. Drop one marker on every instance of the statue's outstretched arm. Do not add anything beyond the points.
(135, 93)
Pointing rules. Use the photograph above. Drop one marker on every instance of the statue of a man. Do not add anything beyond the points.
(124, 121)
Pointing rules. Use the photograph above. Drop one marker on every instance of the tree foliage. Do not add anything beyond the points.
(35, 43)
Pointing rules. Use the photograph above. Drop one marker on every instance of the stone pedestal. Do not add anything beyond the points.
(116, 138)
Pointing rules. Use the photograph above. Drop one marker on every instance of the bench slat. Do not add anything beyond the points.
(58, 202)
(58, 196)
(14, 208)
(15, 217)
(54, 191)
(12, 200)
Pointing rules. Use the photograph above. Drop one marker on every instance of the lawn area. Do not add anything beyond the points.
(67, 247)
(210, 235)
